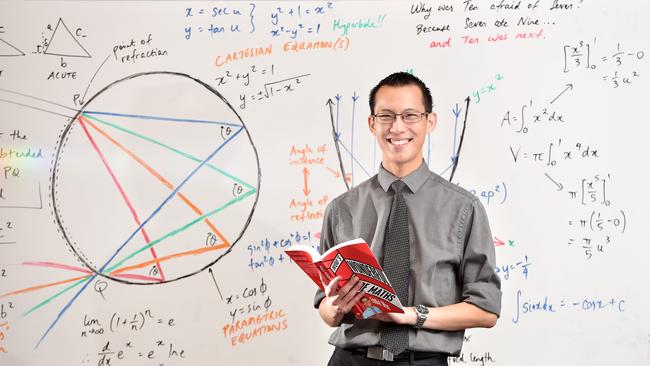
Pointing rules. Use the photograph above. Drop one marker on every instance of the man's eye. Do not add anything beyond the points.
(411, 116)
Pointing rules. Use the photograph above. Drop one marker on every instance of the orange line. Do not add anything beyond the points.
(34, 288)
(161, 178)
(171, 256)
(82, 122)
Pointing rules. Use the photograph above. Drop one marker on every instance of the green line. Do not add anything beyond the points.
(180, 229)
(184, 154)
(55, 296)
(174, 232)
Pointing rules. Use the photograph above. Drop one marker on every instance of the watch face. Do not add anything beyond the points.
(421, 309)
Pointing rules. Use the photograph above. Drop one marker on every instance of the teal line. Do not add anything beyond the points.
(180, 229)
(55, 296)
(184, 154)
(46, 301)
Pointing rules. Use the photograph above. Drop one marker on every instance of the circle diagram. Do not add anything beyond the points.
(155, 179)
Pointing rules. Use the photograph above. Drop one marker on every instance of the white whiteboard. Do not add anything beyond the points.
(158, 156)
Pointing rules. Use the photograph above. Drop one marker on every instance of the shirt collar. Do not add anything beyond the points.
(414, 181)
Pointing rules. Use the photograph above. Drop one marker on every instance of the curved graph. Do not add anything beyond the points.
(155, 179)
(358, 157)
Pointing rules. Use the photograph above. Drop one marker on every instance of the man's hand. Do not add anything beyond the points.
(339, 301)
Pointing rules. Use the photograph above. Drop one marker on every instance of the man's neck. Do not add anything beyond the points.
(401, 171)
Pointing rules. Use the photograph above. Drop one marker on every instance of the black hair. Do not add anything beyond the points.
(402, 79)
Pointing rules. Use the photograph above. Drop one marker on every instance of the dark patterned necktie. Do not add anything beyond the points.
(394, 337)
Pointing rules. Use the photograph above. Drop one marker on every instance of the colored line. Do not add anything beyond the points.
(453, 149)
(57, 265)
(179, 152)
(354, 159)
(44, 302)
(153, 214)
(171, 256)
(162, 179)
(78, 269)
(141, 277)
(38, 287)
(167, 119)
(171, 195)
(181, 229)
(117, 184)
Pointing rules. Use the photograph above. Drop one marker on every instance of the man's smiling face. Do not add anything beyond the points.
(400, 142)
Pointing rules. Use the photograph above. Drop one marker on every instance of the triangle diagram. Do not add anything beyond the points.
(64, 43)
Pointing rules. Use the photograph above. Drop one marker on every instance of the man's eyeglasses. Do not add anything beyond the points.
(407, 117)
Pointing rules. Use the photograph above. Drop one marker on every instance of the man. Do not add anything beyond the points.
(451, 284)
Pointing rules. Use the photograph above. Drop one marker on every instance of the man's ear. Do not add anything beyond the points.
(371, 125)
(432, 121)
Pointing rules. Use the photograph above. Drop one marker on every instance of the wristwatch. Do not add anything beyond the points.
(422, 312)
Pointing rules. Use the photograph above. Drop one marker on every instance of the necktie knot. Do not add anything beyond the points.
(397, 186)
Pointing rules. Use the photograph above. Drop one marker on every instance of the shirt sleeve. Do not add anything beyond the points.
(481, 284)
(326, 240)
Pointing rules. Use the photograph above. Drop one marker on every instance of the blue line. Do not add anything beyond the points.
(354, 159)
(337, 115)
(170, 119)
(154, 213)
(453, 152)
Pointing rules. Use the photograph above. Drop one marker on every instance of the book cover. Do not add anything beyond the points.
(346, 259)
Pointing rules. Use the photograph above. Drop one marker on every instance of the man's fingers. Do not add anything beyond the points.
(349, 285)
(331, 288)
(353, 292)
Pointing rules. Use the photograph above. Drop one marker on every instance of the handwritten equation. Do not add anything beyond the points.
(269, 253)
(620, 65)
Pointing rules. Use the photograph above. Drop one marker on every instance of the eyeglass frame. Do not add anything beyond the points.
(421, 114)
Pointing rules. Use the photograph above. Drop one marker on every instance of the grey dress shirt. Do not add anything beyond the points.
(452, 252)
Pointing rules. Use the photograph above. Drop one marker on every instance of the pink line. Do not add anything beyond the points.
(138, 277)
(119, 186)
(57, 265)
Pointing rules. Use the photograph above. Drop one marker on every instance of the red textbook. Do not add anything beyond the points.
(349, 258)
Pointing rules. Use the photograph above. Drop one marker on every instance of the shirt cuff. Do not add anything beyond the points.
(486, 296)
(320, 295)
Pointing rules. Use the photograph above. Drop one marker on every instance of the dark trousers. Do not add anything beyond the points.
(345, 357)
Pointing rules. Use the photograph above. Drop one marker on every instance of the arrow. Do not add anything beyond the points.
(336, 173)
(568, 87)
(559, 185)
(215, 283)
(336, 139)
(329, 103)
(456, 111)
(338, 101)
(305, 173)
(498, 242)
(354, 103)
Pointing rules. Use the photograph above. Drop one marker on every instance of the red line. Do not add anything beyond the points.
(139, 277)
(57, 265)
(153, 172)
(119, 187)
